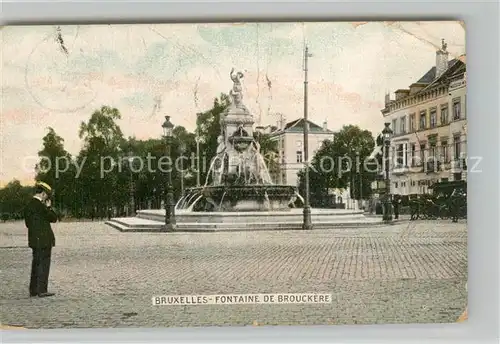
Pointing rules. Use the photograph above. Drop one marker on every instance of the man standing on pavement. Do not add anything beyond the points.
(38, 215)
(396, 202)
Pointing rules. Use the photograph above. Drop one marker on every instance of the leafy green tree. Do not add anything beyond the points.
(102, 138)
(13, 198)
(56, 169)
(340, 163)
(355, 145)
(322, 175)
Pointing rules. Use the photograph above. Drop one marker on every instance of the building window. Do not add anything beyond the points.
(402, 125)
(412, 122)
(433, 118)
(444, 114)
(456, 147)
(283, 160)
(444, 152)
(456, 109)
(432, 150)
(299, 156)
(413, 154)
(394, 121)
(422, 154)
(299, 144)
(283, 177)
(465, 106)
(422, 123)
(400, 156)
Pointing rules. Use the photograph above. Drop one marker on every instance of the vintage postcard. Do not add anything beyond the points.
(246, 174)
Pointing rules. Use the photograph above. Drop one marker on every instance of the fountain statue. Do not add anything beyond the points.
(238, 193)
(238, 178)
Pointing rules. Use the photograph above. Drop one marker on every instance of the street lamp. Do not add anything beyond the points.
(307, 223)
(169, 197)
(359, 174)
(387, 134)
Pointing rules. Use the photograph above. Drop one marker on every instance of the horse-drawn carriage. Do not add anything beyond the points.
(448, 200)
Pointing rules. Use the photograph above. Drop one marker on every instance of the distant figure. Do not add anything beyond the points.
(38, 215)
(396, 202)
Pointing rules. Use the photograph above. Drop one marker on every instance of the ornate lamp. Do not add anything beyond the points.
(168, 129)
(387, 135)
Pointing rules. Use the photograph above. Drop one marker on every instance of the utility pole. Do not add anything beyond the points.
(307, 208)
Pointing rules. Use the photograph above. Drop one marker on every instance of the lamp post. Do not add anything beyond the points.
(361, 166)
(169, 197)
(307, 208)
(387, 134)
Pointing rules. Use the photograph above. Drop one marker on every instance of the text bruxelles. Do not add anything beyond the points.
(241, 299)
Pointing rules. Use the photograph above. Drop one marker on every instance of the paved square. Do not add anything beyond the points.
(105, 278)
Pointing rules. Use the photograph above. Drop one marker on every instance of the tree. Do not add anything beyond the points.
(355, 145)
(102, 125)
(56, 169)
(103, 139)
(323, 175)
(340, 163)
(13, 198)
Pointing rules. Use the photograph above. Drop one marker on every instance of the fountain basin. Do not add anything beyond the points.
(238, 198)
(187, 221)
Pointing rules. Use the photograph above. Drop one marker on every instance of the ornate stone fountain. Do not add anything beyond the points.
(238, 193)
(238, 178)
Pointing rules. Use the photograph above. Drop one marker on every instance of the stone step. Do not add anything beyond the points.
(142, 225)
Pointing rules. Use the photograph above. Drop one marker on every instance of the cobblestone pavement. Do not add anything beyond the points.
(105, 278)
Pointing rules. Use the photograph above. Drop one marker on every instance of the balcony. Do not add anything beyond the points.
(400, 169)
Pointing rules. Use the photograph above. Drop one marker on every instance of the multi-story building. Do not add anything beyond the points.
(290, 138)
(429, 125)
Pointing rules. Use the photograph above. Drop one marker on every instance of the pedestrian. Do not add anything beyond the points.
(38, 216)
(396, 201)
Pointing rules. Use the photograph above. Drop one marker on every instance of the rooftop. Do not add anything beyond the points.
(297, 126)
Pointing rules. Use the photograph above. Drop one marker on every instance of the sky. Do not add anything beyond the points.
(183, 67)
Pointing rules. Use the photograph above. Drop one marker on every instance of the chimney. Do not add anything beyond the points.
(325, 125)
(441, 59)
(387, 98)
(281, 122)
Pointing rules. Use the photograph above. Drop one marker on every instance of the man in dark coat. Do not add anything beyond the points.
(396, 203)
(38, 215)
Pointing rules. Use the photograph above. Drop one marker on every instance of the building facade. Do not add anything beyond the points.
(429, 123)
(290, 138)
